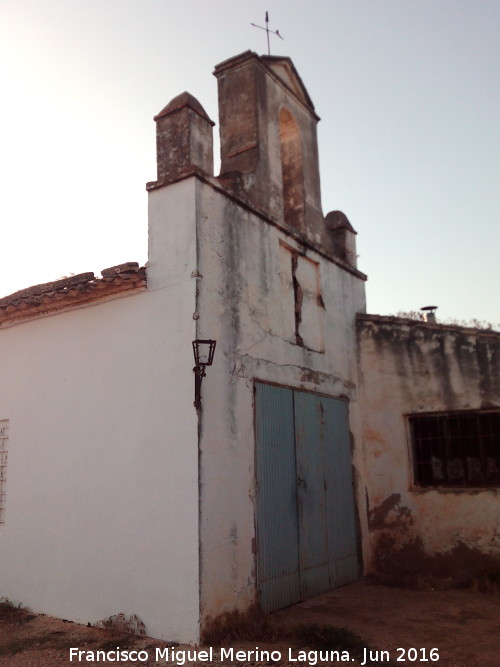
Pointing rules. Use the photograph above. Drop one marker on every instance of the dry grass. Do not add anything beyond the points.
(241, 626)
(255, 626)
(116, 631)
(123, 624)
(54, 640)
(489, 582)
(11, 613)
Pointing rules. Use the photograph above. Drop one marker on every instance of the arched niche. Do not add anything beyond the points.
(292, 170)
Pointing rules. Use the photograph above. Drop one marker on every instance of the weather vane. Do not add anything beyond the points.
(274, 32)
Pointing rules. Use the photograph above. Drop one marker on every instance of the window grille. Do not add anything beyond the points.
(4, 435)
(456, 449)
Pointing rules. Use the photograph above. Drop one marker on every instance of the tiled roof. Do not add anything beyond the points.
(69, 292)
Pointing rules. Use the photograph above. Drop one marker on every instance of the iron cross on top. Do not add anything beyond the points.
(274, 32)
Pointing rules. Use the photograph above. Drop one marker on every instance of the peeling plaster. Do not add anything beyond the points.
(409, 367)
(389, 513)
(247, 366)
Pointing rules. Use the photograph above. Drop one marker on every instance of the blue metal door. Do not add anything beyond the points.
(306, 534)
(277, 521)
(311, 495)
(341, 521)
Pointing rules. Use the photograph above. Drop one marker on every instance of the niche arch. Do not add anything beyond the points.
(292, 170)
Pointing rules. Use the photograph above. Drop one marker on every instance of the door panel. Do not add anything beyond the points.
(277, 529)
(313, 543)
(342, 537)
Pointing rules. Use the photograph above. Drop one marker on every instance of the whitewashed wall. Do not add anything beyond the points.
(102, 497)
(243, 304)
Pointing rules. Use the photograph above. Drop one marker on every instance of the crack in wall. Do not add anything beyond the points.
(297, 297)
(246, 367)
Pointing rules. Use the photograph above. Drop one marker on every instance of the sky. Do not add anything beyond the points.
(408, 95)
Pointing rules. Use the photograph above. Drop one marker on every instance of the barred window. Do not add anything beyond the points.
(456, 448)
(4, 436)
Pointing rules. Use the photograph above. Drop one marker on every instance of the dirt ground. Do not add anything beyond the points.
(399, 626)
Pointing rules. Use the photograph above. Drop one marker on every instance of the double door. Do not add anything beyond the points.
(306, 527)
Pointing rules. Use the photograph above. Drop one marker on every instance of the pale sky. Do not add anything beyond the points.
(407, 90)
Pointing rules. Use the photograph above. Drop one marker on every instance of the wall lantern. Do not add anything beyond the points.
(203, 351)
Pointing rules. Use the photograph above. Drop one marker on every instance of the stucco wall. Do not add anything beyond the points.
(243, 303)
(410, 368)
(102, 495)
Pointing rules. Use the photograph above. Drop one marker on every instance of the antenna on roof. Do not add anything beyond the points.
(274, 32)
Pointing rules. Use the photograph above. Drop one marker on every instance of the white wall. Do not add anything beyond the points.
(102, 497)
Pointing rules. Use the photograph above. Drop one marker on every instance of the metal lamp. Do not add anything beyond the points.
(203, 351)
